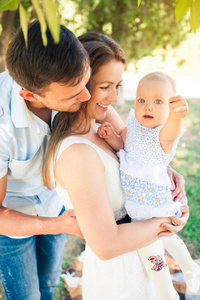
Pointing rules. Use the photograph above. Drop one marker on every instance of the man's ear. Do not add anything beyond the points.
(27, 95)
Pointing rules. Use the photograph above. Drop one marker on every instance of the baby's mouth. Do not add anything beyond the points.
(148, 117)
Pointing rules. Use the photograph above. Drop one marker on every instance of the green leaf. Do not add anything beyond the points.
(181, 8)
(24, 22)
(195, 15)
(138, 3)
(9, 4)
(41, 19)
(52, 19)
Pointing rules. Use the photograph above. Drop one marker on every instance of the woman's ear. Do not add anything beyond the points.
(27, 95)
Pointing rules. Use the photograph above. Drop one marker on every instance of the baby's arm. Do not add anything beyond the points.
(172, 128)
(107, 132)
(114, 118)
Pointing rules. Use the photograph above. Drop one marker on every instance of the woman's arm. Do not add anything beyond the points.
(80, 171)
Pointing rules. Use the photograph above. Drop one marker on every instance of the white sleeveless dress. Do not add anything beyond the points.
(120, 278)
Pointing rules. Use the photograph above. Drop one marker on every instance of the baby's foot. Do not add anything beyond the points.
(192, 278)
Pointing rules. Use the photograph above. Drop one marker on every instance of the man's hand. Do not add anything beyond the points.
(177, 185)
(67, 223)
(178, 107)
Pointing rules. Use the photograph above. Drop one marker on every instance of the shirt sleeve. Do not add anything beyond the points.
(4, 158)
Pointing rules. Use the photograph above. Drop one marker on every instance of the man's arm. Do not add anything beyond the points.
(14, 223)
(177, 185)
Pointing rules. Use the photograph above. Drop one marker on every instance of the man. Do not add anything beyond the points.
(46, 79)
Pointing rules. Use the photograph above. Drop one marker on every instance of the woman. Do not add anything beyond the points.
(85, 171)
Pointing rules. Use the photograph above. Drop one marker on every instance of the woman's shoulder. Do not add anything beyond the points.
(77, 156)
(75, 146)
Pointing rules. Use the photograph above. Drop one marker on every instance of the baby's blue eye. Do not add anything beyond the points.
(141, 100)
(157, 101)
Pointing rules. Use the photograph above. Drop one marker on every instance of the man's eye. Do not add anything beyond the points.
(157, 101)
(141, 100)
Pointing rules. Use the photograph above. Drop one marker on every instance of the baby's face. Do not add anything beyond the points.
(152, 104)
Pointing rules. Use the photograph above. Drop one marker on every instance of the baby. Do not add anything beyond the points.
(146, 147)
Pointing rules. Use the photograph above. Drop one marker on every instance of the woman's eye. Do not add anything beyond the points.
(104, 87)
(157, 101)
(141, 100)
(118, 86)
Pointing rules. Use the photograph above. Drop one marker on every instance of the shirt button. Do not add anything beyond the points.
(1, 111)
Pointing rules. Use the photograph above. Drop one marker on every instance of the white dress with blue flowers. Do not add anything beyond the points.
(143, 171)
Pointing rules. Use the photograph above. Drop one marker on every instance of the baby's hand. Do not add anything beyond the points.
(105, 130)
(178, 107)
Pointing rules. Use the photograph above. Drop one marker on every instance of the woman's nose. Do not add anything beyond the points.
(113, 96)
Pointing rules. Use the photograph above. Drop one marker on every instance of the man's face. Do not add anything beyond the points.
(64, 97)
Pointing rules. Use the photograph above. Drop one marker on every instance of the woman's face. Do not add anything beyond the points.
(104, 88)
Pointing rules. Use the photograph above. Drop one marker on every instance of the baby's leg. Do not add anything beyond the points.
(154, 262)
(191, 270)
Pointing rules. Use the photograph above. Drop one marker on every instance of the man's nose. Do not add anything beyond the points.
(84, 95)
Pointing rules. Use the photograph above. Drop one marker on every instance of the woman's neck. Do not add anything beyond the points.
(84, 126)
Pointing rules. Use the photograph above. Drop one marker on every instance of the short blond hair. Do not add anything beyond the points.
(160, 76)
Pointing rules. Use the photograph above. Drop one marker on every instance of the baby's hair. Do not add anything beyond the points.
(159, 76)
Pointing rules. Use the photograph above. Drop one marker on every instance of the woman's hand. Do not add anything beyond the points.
(179, 223)
(177, 185)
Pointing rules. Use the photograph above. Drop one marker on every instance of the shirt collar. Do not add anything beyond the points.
(22, 117)
(19, 113)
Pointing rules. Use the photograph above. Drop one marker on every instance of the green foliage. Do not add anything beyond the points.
(147, 24)
(52, 18)
(140, 31)
(9, 5)
(47, 13)
(41, 19)
(182, 8)
(23, 22)
(193, 6)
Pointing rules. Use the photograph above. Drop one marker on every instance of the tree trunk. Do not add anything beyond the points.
(7, 22)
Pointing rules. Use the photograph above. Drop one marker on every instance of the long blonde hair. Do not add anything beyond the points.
(101, 50)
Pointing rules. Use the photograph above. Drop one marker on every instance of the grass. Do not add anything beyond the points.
(186, 163)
